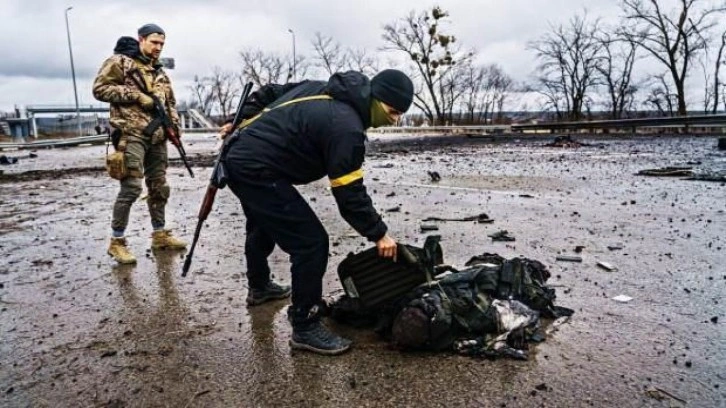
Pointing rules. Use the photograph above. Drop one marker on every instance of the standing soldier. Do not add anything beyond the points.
(130, 80)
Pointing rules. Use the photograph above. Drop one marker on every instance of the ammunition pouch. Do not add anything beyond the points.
(116, 162)
(116, 165)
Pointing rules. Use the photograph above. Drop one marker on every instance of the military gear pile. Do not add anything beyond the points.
(491, 308)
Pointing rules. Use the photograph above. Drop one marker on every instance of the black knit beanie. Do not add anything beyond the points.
(147, 29)
(394, 88)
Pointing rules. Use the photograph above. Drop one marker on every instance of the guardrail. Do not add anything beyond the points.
(54, 143)
(675, 121)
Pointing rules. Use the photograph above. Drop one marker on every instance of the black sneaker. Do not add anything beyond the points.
(271, 291)
(315, 337)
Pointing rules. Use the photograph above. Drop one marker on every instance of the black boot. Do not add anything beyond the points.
(270, 291)
(309, 333)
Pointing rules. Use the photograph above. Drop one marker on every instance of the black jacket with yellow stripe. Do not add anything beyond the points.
(305, 140)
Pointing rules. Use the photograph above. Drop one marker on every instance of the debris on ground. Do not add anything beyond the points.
(568, 258)
(502, 235)
(435, 176)
(429, 227)
(718, 177)
(667, 172)
(606, 265)
(566, 142)
(660, 395)
(5, 160)
(482, 218)
(622, 298)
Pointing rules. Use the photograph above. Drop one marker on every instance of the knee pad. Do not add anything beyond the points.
(158, 189)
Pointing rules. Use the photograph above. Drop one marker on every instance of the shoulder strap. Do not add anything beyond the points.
(247, 122)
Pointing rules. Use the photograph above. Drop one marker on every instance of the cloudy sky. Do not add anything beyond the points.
(35, 64)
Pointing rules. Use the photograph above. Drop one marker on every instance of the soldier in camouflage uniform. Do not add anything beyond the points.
(126, 80)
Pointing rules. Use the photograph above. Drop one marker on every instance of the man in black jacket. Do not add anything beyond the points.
(311, 130)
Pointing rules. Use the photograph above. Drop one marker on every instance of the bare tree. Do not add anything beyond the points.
(225, 89)
(569, 57)
(432, 54)
(674, 38)
(501, 86)
(717, 73)
(360, 60)
(616, 70)
(329, 54)
(202, 94)
(474, 83)
(451, 89)
(661, 96)
(263, 68)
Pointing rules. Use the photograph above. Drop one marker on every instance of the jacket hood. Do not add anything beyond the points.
(127, 46)
(354, 89)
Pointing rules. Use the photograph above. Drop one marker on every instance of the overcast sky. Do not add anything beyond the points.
(35, 64)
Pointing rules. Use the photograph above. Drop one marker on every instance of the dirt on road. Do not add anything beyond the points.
(78, 330)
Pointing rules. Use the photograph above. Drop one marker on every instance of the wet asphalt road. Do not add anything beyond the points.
(79, 331)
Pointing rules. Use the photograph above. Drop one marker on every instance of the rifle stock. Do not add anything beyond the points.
(211, 192)
(204, 211)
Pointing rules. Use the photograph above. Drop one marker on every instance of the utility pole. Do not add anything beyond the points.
(294, 59)
(73, 73)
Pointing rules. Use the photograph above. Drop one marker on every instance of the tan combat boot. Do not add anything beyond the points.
(163, 239)
(120, 252)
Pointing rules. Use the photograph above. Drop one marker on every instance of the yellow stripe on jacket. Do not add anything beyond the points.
(347, 179)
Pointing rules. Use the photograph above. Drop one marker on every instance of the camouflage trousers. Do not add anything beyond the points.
(148, 161)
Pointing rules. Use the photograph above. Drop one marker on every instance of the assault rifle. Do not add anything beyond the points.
(218, 179)
(162, 119)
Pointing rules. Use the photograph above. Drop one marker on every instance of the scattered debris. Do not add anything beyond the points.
(722, 143)
(435, 177)
(502, 235)
(429, 227)
(622, 298)
(568, 258)
(482, 218)
(394, 209)
(565, 141)
(709, 176)
(579, 248)
(607, 266)
(526, 195)
(667, 172)
(615, 247)
(8, 160)
(660, 395)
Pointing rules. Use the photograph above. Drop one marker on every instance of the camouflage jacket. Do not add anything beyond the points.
(118, 83)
